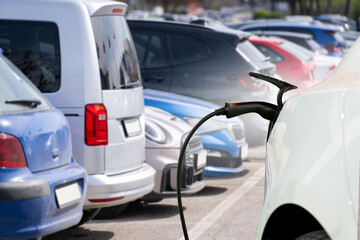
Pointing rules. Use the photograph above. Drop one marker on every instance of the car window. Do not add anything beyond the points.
(248, 51)
(34, 48)
(187, 49)
(297, 50)
(118, 63)
(15, 86)
(151, 48)
(274, 56)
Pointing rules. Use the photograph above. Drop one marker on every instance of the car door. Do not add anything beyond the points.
(153, 55)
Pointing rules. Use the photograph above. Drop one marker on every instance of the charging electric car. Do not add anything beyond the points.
(224, 139)
(312, 161)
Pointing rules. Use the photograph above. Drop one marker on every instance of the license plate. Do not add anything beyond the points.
(244, 152)
(132, 127)
(67, 195)
(201, 160)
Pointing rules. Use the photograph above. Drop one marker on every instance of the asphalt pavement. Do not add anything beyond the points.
(228, 208)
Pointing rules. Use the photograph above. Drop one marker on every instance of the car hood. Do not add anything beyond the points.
(173, 128)
(182, 106)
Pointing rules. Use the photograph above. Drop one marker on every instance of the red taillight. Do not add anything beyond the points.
(332, 48)
(11, 152)
(242, 82)
(117, 10)
(332, 67)
(96, 125)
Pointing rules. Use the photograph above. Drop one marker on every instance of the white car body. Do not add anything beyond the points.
(163, 150)
(325, 64)
(312, 159)
(117, 172)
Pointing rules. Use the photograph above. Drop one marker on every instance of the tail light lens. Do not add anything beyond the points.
(332, 48)
(96, 125)
(11, 152)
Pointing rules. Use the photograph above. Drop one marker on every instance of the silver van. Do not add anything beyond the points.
(80, 54)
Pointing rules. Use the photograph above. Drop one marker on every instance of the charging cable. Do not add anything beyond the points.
(266, 110)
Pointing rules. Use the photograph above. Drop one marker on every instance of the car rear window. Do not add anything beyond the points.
(274, 57)
(17, 91)
(34, 47)
(117, 57)
(249, 52)
(300, 52)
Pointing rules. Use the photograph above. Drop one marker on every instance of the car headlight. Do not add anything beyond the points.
(208, 126)
(154, 133)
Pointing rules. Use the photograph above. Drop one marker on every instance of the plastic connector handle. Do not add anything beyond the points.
(266, 110)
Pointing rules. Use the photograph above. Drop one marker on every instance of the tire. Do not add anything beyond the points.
(316, 235)
(111, 212)
(88, 215)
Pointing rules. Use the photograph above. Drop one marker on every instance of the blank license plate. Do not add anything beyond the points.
(68, 195)
(201, 159)
(132, 127)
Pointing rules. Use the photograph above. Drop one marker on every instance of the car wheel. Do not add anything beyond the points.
(88, 215)
(111, 212)
(316, 235)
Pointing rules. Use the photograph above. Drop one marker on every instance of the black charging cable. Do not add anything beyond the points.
(266, 110)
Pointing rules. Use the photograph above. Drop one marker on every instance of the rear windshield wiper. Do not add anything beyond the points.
(32, 103)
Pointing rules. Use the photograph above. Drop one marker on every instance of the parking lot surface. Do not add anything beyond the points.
(228, 208)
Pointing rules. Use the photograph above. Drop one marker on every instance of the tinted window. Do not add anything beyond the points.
(249, 52)
(15, 86)
(151, 49)
(297, 50)
(118, 62)
(34, 48)
(186, 49)
(274, 57)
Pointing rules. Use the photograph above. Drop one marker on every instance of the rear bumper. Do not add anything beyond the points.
(29, 205)
(110, 190)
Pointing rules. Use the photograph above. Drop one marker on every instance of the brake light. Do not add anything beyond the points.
(332, 48)
(96, 125)
(242, 82)
(11, 152)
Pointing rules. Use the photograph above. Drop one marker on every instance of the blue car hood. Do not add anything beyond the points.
(179, 105)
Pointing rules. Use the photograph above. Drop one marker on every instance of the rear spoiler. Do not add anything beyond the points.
(109, 9)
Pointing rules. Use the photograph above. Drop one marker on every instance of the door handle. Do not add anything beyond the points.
(154, 78)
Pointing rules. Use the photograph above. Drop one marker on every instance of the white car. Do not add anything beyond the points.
(325, 64)
(81, 56)
(165, 135)
(312, 162)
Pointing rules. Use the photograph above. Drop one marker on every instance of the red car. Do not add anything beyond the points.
(292, 64)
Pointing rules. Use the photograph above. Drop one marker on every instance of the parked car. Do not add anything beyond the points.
(327, 36)
(83, 60)
(42, 187)
(165, 134)
(292, 64)
(213, 65)
(224, 139)
(312, 162)
(305, 40)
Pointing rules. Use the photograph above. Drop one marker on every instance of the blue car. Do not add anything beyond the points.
(42, 188)
(326, 35)
(224, 139)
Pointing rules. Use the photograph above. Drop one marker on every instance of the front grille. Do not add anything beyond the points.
(224, 162)
(195, 144)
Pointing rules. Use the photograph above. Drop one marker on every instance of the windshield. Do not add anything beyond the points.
(118, 62)
(299, 51)
(16, 86)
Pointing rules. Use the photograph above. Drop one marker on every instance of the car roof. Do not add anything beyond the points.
(266, 39)
(292, 24)
(196, 26)
(282, 33)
